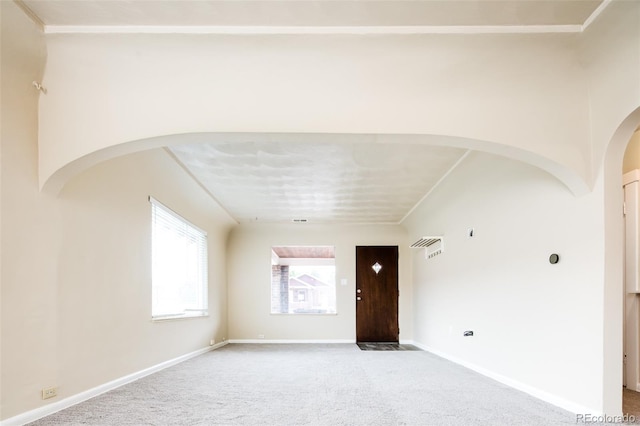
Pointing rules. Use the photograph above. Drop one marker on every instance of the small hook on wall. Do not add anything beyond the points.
(39, 87)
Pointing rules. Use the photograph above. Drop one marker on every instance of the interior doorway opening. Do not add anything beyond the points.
(631, 287)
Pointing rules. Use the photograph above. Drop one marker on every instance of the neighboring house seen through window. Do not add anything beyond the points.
(303, 280)
(179, 265)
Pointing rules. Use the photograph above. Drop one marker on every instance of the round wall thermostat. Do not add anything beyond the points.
(554, 258)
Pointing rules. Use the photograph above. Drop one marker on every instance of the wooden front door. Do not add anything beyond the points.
(377, 294)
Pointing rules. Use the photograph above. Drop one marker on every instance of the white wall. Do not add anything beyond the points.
(536, 324)
(29, 311)
(484, 87)
(104, 269)
(77, 279)
(249, 252)
(610, 57)
(76, 275)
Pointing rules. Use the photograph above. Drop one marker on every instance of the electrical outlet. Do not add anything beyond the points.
(212, 342)
(49, 392)
(260, 336)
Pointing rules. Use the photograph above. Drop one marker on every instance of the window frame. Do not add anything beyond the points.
(161, 214)
(304, 262)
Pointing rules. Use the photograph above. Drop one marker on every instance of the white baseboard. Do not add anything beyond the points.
(291, 341)
(49, 409)
(535, 392)
(353, 341)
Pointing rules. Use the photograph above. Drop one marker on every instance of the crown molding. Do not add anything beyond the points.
(31, 14)
(313, 30)
(595, 14)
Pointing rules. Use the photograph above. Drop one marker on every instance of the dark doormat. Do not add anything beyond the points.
(376, 346)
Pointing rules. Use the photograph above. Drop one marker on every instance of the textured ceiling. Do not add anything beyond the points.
(321, 182)
(311, 12)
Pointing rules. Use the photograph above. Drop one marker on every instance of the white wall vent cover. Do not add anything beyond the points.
(433, 246)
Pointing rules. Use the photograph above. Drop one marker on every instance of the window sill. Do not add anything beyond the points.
(162, 318)
(305, 314)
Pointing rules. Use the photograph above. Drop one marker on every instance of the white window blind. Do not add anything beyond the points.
(179, 265)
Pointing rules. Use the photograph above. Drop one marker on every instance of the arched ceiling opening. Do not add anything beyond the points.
(320, 178)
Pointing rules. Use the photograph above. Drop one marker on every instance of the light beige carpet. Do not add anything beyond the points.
(268, 384)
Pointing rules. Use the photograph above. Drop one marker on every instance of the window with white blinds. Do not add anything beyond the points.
(179, 265)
